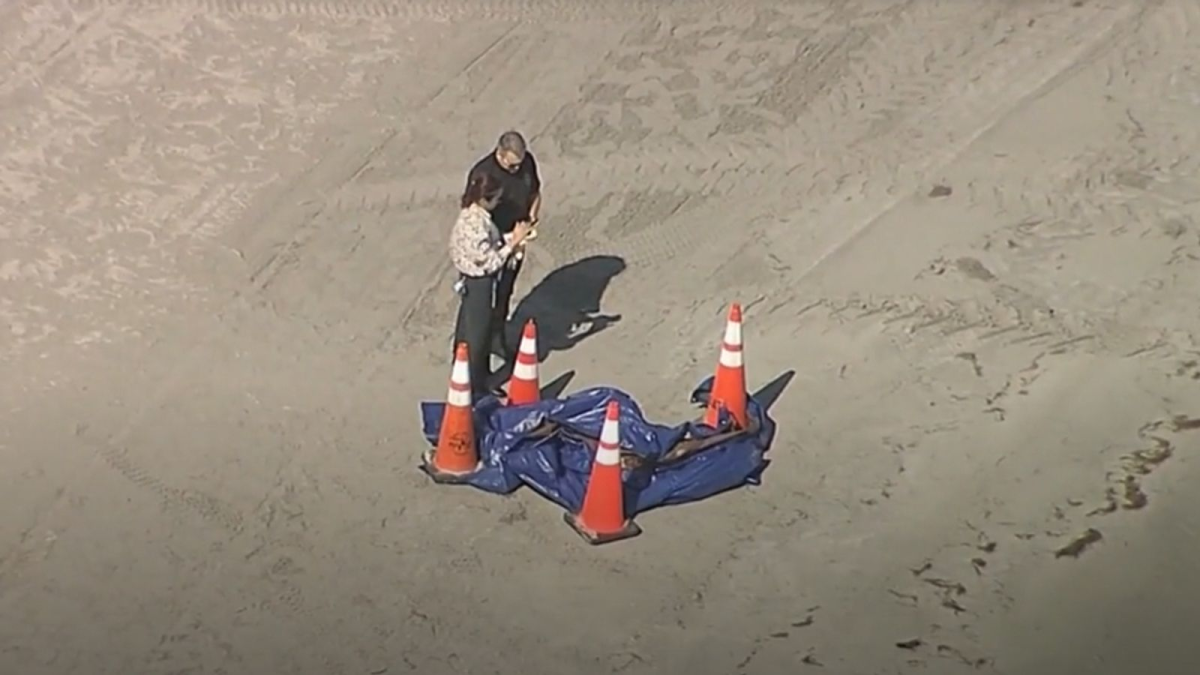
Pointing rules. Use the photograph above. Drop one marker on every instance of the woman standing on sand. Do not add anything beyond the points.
(479, 252)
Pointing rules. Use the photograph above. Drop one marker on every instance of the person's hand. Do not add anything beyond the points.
(520, 232)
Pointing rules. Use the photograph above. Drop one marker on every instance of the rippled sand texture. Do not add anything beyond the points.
(971, 230)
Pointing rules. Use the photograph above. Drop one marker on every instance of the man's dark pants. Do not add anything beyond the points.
(476, 327)
(504, 292)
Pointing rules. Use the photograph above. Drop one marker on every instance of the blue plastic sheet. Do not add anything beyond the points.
(557, 464)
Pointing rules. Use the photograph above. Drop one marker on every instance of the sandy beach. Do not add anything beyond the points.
(966, 236)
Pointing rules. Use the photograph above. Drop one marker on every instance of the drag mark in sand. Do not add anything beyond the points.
(1079, 544)
(942, 651)
(808, 659)
(950, 595)
(1125, 491)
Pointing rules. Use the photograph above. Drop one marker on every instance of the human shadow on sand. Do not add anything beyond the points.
(565, 305)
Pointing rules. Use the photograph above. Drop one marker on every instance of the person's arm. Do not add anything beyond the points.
(492, 258)
(471, 247)
(495, 257)
(535, 190)
(534, 207)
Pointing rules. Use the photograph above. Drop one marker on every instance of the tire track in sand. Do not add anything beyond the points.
(442, 11)
(278, 556)
(1004, 81)
(317, 250)
(110, 451)
(379, 226)
(847, 134)
(1008, 79)
(859, 181)
(691, 173)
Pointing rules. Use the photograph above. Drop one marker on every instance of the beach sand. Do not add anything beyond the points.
(966, 237)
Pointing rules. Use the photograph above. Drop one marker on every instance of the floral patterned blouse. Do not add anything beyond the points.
(477, 248)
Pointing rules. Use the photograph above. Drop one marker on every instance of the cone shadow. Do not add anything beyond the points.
(771, 391)
(557, 386)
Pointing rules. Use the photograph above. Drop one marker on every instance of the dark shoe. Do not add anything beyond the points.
(497, 391)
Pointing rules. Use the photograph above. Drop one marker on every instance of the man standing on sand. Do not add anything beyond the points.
(514, 167)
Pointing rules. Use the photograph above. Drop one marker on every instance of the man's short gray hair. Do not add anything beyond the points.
(512, 141)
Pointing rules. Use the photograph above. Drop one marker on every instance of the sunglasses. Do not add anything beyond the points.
(509, 160)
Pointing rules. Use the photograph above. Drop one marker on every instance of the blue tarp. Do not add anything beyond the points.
(516, 449)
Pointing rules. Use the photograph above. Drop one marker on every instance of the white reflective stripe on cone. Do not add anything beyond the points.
(528, 347)
(460, 374)
(608, 455)
(525, 371)
(459, 398)
(610, 433)
(733, 332)
(731, 358)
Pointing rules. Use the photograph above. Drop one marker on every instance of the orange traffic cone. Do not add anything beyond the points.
(729, 385)
(602, 517)
(456, 454)
(523, 386)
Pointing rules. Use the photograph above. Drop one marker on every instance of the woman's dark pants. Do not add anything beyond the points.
(475, 326)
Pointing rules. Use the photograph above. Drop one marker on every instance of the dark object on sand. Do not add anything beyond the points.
(1080, 544)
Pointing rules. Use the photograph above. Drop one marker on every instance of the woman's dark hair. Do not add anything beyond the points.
(482, 185)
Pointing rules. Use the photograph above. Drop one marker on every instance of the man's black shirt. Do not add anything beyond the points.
(520, 189)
